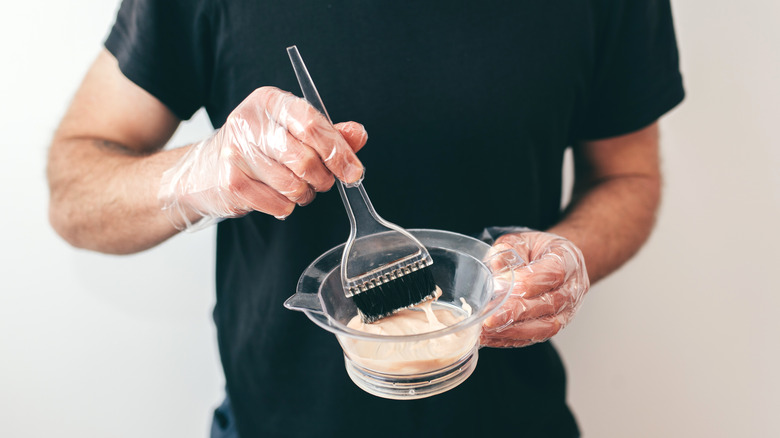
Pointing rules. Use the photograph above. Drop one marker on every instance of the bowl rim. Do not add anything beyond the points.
(334, 326)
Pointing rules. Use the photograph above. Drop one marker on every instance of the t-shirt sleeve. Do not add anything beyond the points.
(637, 77)
(164, 47)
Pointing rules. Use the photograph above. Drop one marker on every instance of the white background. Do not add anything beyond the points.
(681, 342)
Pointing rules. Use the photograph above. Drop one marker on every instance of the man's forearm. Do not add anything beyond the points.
(104, 196)
(611, 221)
(616, 196)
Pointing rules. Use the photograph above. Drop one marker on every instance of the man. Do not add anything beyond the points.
(470, 110)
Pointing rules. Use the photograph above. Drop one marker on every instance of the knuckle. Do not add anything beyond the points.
(232, 151)
(301, 158)
(231, 180)
(328, 184)
(314, 126)
(264, 97)
(295, 189)
(309, 130)
(312, 115)
(263, 92)
(309, 160)
(283, 210)
(235, 185)
(554, 325)
(307, 199)
(234, 118)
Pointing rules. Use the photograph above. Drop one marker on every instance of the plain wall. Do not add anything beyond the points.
(90, 345)
(681, 342)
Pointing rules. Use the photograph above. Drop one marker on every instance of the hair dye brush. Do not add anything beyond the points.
(384, 268)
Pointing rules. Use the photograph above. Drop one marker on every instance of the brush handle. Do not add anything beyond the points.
(363, 219)
(386, 248)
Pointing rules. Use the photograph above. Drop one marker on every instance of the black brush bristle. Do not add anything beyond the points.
(387, 298)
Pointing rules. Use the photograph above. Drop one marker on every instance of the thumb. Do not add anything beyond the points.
(540, 276)
(354, 133)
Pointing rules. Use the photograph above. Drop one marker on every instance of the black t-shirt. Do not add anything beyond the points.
(469, 107)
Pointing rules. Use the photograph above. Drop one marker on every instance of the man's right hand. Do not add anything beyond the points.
(106, 163)
(274, 151)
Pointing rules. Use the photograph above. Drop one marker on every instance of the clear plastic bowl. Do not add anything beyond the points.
(419, 365)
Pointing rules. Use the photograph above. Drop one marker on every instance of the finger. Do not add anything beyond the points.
(506, 314)
(311, 128)
(245, 194)
(548, 304)
(354, 133)
(517, 242)
(517, 309)
(302, 160)
(501, 256)
(272, 174)
(270, 139)
(535, 330)
(540, 276)
(498, 342)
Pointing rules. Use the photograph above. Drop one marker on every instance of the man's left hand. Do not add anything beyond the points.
(547, 290)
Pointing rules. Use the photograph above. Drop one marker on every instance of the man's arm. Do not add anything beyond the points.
(105, 164)
(616, 195)
(617, 190)
(113, 188)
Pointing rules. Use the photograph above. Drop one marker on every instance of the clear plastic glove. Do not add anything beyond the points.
(273, 152)
(547, 291)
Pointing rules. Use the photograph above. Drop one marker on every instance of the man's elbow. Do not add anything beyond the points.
(73, 221)
(66, 224)
(83, 233)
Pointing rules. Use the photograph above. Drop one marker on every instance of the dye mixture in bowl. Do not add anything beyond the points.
(412, 357)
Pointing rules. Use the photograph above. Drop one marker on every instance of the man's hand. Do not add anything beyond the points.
(106, 163)
(616, 194)
(547, 290)
(274, 151)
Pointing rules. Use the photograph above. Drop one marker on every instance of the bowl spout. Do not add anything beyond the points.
(303, 301)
